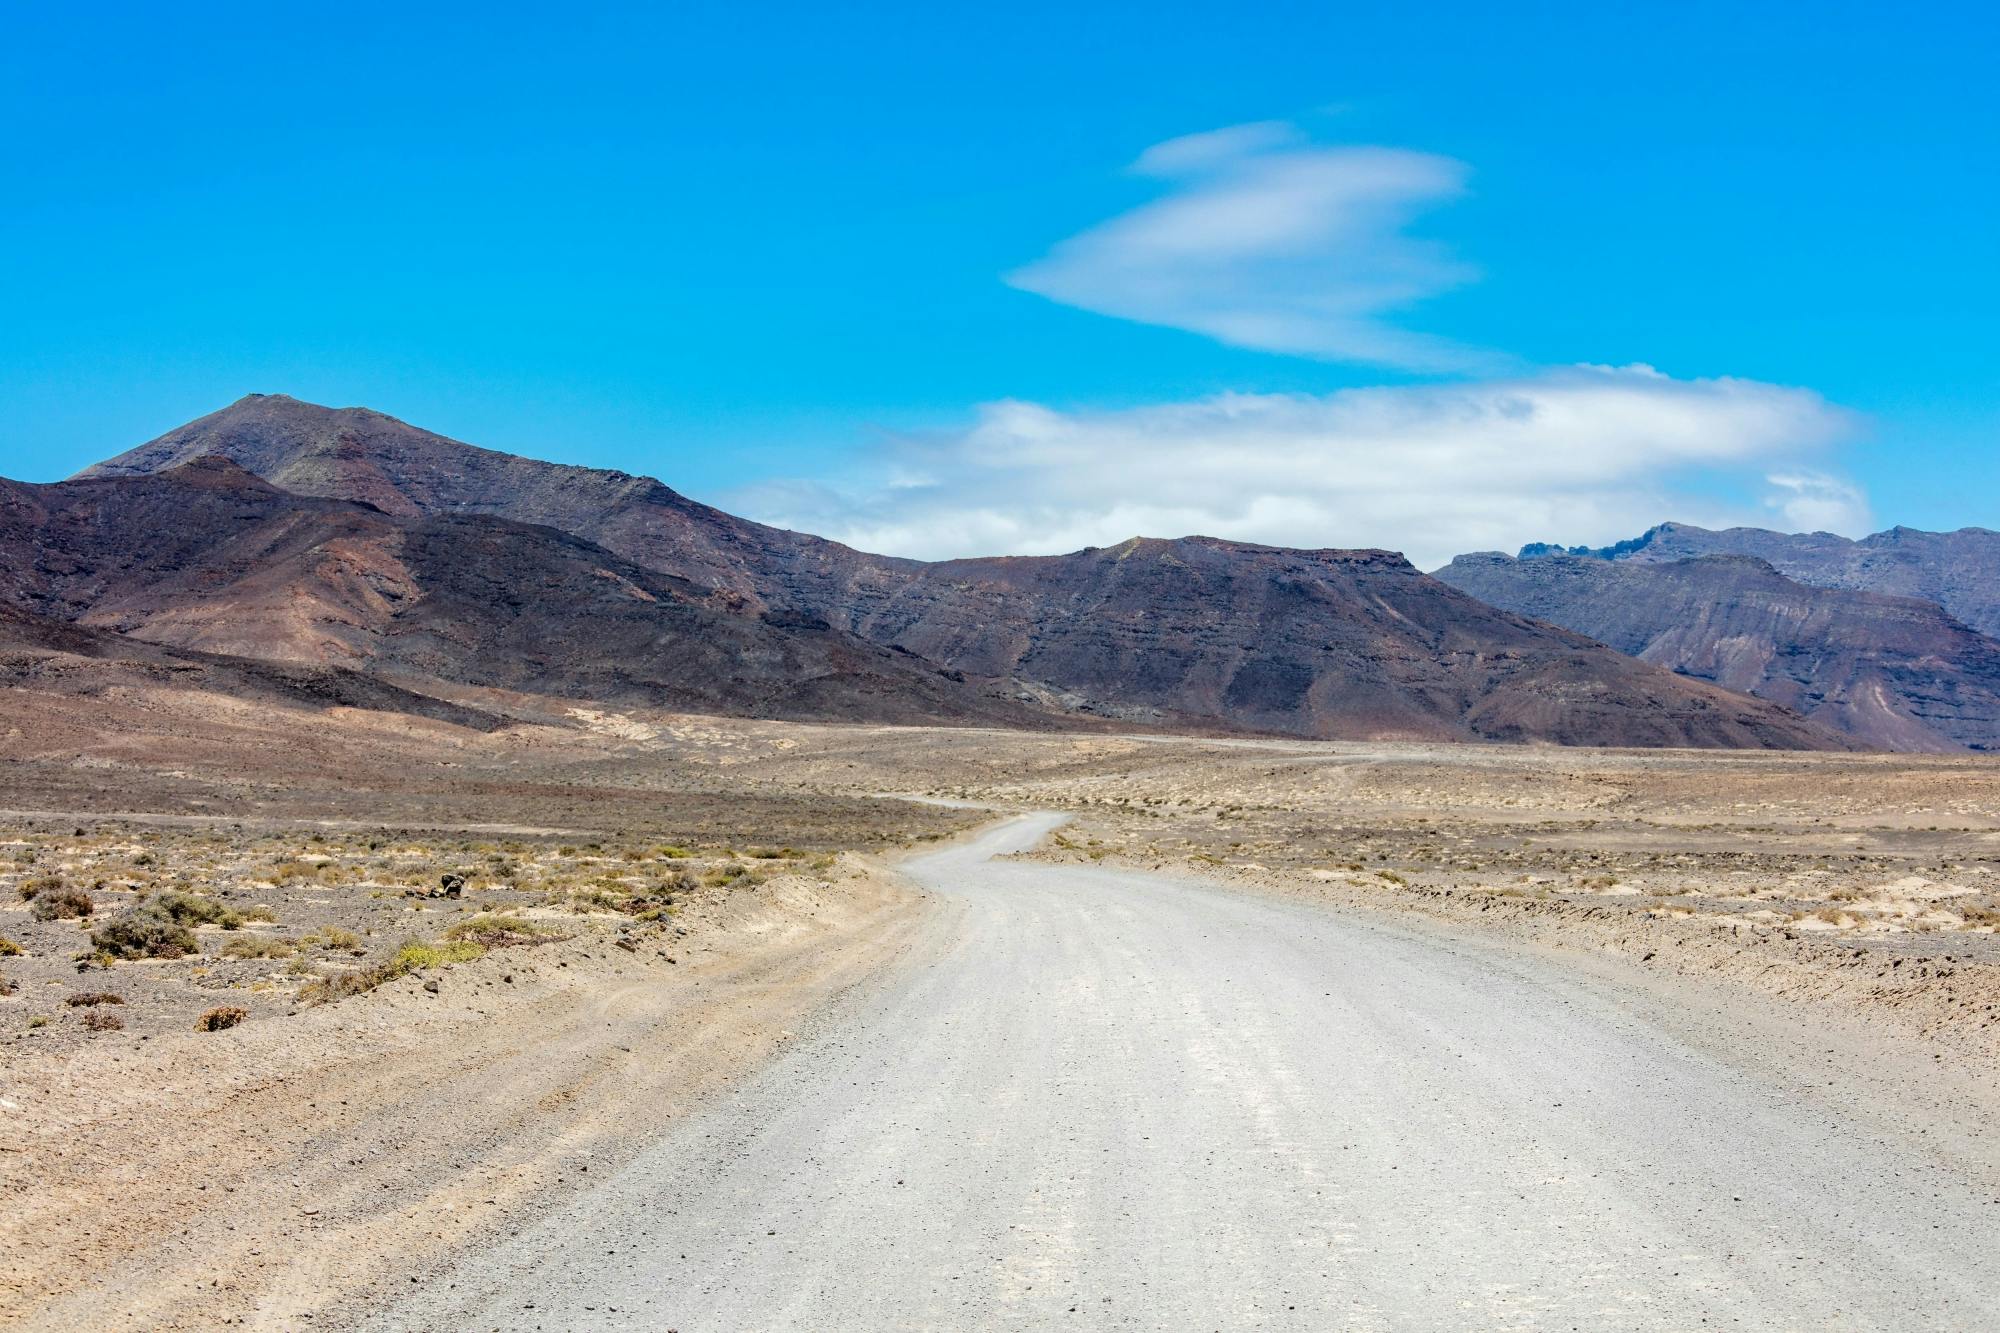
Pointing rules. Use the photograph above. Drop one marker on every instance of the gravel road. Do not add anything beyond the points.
(1093, 1099)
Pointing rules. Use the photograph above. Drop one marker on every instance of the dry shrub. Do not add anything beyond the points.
(504, 932)
(9, 949)
(257, 946)
(88, 998)
(340, 985)
(33, 888)
(190, 909)
(98, 1020)
(62, 904)
(333, 937)
(144, 932)
(220, 1017)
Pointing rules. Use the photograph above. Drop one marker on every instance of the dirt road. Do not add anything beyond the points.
(1099, 1100)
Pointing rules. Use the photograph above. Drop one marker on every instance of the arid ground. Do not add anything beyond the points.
(255, 1067)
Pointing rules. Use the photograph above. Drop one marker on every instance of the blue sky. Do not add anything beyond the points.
(890, 271)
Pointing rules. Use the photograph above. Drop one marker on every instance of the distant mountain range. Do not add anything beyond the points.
(1960, 571)
(1832, 632)
(347, 537)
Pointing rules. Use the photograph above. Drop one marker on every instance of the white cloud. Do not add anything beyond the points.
(1269, 242)
(1585, 454)
(1811, 501)
(1263, 239)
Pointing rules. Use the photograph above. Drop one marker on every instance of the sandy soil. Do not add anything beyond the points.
(261, 1174)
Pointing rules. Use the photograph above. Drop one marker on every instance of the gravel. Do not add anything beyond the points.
(1100, 1099)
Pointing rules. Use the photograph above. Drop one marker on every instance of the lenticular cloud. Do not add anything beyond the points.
(1591, 453)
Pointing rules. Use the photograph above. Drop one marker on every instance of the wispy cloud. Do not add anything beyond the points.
(1813, 501)
(1265, 240)
(1581, 454)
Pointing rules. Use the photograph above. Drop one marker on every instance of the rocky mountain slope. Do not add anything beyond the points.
(206, 556)
(1960, 571)
(58, 658)
(1189, 632)
(1894, 672)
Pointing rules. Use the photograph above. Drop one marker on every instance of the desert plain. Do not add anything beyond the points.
(319, 1078)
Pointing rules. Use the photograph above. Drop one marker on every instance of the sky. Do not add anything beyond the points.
(952, 280)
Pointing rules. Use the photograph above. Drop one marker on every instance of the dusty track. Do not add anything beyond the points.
(1099, 1099)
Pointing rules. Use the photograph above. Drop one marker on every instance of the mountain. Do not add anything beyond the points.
(1193, 632)
(1894, 672)
(1960, 571)
(209, 557)
(62, 658)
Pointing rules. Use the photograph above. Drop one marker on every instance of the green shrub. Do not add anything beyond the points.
(9, 949)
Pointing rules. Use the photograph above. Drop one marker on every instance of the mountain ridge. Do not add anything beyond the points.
(1894, 672)
(1959, 570)
(206, 556)
(1189, 632)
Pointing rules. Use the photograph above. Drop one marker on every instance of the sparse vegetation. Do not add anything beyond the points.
(144, 932)
(91, 998)
(258, 946)
(62, 903)
(221, 1017)
(413, 956)
(504, 932)
(190, 909)
(98, 1020)
(334, 939)
(33, 888)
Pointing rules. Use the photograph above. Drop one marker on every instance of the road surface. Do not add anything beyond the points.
(1104, 1100)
